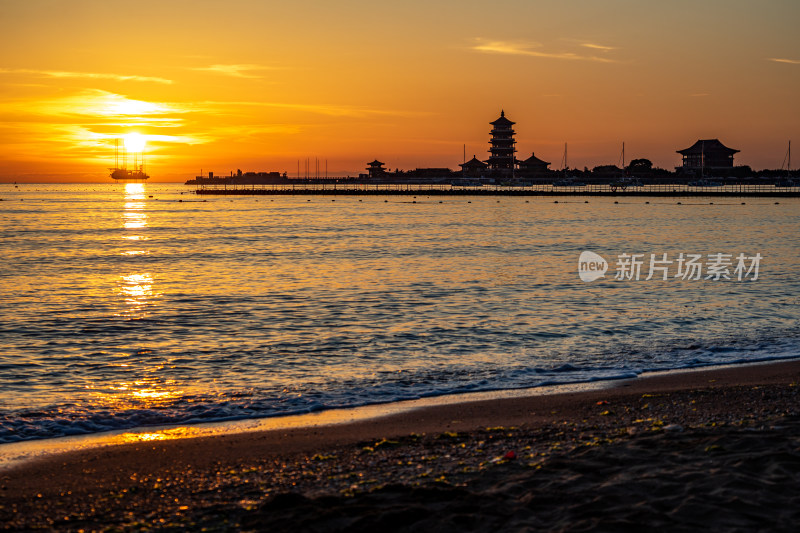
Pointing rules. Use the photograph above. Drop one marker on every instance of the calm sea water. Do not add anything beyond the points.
(123, 306)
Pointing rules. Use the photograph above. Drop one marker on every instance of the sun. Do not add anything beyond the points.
(134, 142)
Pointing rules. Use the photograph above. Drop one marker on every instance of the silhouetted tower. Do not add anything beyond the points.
(707, 153)
(502, 145)
(376, 170)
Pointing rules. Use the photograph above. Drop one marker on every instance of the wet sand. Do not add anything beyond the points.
(715, 449)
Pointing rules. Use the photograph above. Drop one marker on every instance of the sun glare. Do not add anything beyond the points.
(134, 142)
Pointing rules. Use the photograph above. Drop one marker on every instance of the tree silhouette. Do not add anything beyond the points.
(640, 165)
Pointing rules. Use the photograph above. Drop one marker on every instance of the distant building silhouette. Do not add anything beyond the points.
(375, 169)
(533, 166)
(707, 153)
(474, 168)
(502, 146)
(430, 174)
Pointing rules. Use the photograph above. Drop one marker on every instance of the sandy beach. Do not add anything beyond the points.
(717, 449)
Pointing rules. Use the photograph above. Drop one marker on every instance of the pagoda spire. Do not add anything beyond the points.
(501, 146)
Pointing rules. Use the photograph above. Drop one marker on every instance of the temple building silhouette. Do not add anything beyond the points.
(502, 161)
(474, 168)
(501, 167)
(533, 166)
(502, 147)
(375, 169)
(707, 153)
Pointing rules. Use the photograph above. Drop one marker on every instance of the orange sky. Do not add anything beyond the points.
(258, 85)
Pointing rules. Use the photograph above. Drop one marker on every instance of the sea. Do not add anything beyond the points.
(136, 305)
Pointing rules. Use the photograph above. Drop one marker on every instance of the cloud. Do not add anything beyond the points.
(89, 75)
(82, 124)
(93, 114)
(532, 49)
(595, 46)
(237, 71)
(781, 60)
(94, 103)
(322, 109)
(256, 130)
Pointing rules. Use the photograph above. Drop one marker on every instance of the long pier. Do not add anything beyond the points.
(659, 190)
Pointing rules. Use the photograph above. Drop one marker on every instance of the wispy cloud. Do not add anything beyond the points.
(533, 49)
(595, 46)
(89, 75)
(783, 60)
(237, 71)
(94, 103)
(81, 124)
(255, 131)
(322, 109)
(93, 114)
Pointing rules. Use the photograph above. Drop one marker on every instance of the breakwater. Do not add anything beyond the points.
(758, 191)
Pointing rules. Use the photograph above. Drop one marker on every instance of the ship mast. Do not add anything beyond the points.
(702, 159)
(787, 160)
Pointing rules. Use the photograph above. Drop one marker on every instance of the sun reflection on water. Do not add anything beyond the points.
(154, 394)
(149, 392)
(162, 434)
(134, 191)
(143, 437)
(134, 216)
(137, 294)
(135, 288)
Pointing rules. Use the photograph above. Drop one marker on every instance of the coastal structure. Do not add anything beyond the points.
(474, 168)
(241, 178)
(502, 146)
(375, 169)
(502, 161)
(121, 172)
(129, 175)
(705, 159)
(533, 166)
(707, 154)
(430, 174)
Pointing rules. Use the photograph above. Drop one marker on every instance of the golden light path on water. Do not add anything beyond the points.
(137, 294)
(164, 308)
(134, 215)
(136, 288)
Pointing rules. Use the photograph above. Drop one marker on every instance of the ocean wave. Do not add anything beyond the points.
(76, 419)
